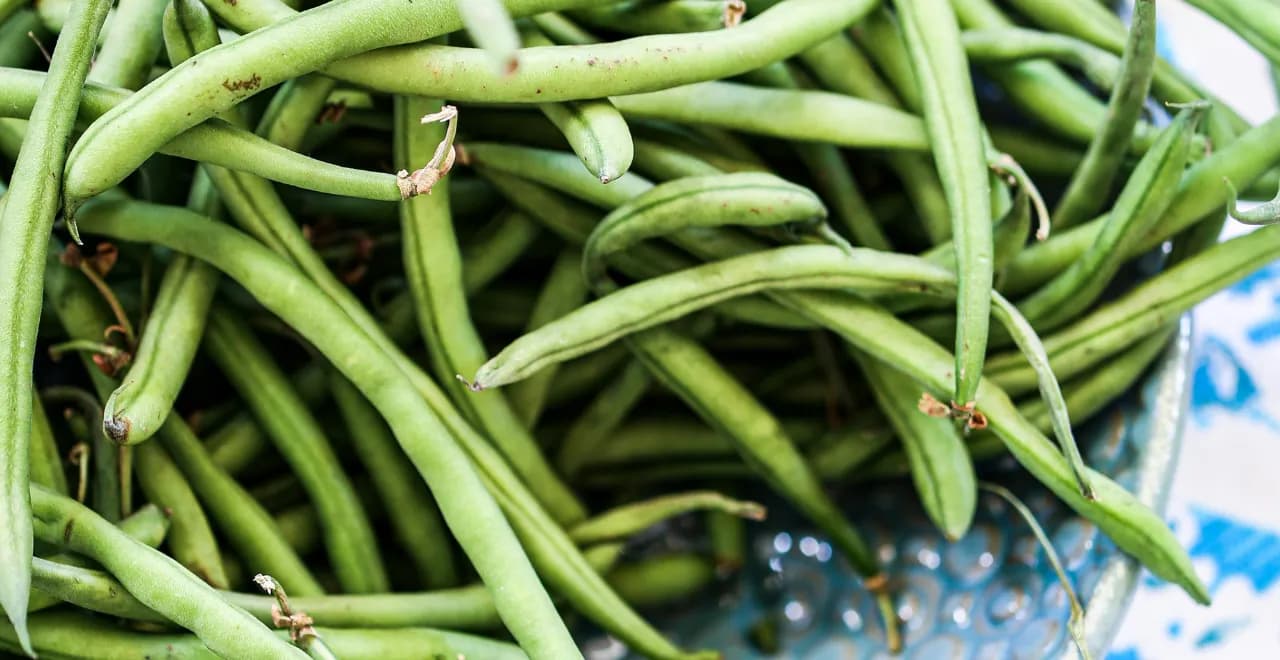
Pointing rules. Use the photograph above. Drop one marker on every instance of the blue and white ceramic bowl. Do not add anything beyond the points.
(988, 596)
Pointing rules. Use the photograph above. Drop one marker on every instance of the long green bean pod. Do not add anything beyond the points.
(955, 134)
(561, 293)
(348, 533)
(940, 468)
(1107, 150)
(1142, 203)
(490, 27)
(434, 273)
(623, 521)
(27, 216)
(413, 514)
(156, 580)
(131, 44)
(601, 418)
(46, 462)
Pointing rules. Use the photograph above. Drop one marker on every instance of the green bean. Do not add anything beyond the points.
(656, 301)
(561, 29)
(664, 162)
(1142, 203)
(300, 439)
(495, 248)
(247, 527)
(89, 589)
(29, 209)
(131, 45)
(1118, 324)
(190, 540)
(1263, 214)
(842, 68)
(234, 71)
(717, 147)
(727, 534)
(566, 73)
(413, 514)
(1104, 29)
(881, 37)
(621, 522)
(1040, 89)
(154, 579)
(663, 17)
(940, 469)
(664, 579)
(1009, 236)
(600, 419)
(685, 367)
(577, 378)
(237, 443)
(595, 129)
(300, 526)
(106, 485)
(137, 408)
(1035, 152)
(10, 7)
(1004, 45)
(955, 134)
(562, 292)
(462, 608)
(46, 462)
(467, 507)
(791, 114)
(293, 110)
(1133, 527)
(16, 47)
(1200, 192)
(1076, 625)
(490, 27)
(432, 267)
(1106, 151)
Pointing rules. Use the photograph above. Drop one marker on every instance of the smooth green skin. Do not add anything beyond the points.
(562, 30)
(662, 580)
(562, 292)
(940, 467)
(621, 522)
(652, 302)
(27, 217)
(830, 173)
(723, 403)
(215, 142)
(434, 272)
(1161, 299)
(955, 134)
(597, 133)
(222, 77)
(340, 333)
(1266, 213)
(46, 461)
(567, 73)
(190, 540)
(1107, 150)
(349, 538)
(1103, 28)
(156, 580)
(239, 441)
(88, 589)
(293, 110)
(841, 67)
(408, 503)
(671, 16)
(1200, 193)
(145, 396)
(16, 48)
(881, 37)
(595, 427)
(1041, 89)
(1007, 45)
(80, 310)
(69, 635)
(131, 46)
(1134, 528)
(1142, 203)
(491, 28)
(805, 115)
(746, 198)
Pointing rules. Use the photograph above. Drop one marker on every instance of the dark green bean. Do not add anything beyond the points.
(600, 419)
(46, 461)
(664, 579)
(27, 216)
(562, 292)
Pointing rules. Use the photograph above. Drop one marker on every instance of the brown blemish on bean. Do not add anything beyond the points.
(66, 531)
(251, 83)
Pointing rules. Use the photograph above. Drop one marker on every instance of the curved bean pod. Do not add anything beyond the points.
(940, 467)
(955, 134)
(1107, 150)
(672, 16)
(29, 209)
(621, 522)
(1014, 44)
(1142, 203)
(155, 580)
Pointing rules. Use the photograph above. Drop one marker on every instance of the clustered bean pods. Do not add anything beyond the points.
(514, 287)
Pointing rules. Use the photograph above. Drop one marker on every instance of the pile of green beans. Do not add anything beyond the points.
(433, 311)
